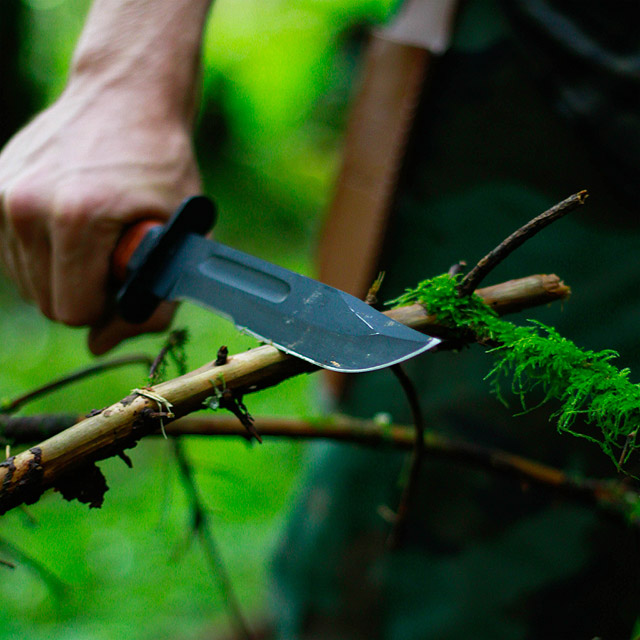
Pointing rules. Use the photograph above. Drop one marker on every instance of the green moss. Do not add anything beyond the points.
(537, 357)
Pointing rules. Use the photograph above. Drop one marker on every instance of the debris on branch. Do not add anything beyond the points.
(226, 399)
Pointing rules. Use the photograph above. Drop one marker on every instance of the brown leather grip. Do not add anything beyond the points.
(127, 244)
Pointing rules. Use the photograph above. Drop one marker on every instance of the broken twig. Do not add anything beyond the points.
(471, 281)
(100, 367)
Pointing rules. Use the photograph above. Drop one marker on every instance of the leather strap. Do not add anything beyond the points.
(377, 134)
(395, 69)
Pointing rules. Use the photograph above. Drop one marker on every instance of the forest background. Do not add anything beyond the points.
(278, 76)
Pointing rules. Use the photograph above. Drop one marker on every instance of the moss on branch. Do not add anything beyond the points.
(537, 357)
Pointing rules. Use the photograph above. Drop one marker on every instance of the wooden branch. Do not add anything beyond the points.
(614, 496)
(471, 281)
(29, 429)
(66, 461)
(504, 298)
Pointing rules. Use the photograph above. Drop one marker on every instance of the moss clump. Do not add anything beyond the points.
(537, 357)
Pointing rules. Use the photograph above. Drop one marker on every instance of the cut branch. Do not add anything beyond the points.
(24, 477)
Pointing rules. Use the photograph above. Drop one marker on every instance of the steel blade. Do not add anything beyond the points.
(308, 319)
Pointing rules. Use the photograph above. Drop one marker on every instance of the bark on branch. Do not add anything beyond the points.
(66, 461)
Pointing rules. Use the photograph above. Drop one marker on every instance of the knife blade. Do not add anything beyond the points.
(296, 314)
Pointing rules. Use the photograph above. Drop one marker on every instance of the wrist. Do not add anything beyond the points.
(145, 51)
(117, 88)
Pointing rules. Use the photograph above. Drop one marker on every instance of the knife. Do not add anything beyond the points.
(296, 314)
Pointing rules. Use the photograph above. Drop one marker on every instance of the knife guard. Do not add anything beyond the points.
(144, 250)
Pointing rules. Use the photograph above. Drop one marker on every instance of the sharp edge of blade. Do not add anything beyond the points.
(433, 342)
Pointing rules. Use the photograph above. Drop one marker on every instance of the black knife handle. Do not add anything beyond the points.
(146, 247)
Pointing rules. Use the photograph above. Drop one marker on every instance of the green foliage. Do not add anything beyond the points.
(279, 75)
(538, 358)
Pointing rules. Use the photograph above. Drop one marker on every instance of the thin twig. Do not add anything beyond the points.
(56, 585)
(15, 404)
(407, 499)
(175, 340)
(471, 281)
(614, 496)
(457, 268)
(610, 494)
(28, 429)
(201, 526)
(199, 517)
(372, 295)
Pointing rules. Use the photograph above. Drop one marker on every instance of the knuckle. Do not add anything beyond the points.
(22, 205)
(72, 208)
(81, 204)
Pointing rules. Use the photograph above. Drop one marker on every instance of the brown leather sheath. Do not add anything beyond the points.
(378, 130)
(377, 134)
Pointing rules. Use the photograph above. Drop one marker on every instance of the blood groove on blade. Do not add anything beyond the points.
(245, 278)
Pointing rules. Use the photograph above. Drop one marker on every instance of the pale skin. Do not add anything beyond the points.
(114, 148)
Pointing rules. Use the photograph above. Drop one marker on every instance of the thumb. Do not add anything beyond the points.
(113, 330)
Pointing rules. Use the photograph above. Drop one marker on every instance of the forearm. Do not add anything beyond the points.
(148, 49)
(114, 148)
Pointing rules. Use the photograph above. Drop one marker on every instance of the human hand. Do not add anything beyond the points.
(96, 161)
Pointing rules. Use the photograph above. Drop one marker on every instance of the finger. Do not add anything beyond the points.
(25, 247)
(33, 260)
(110, 333)
(7, 253)
(83, 239)
(80, 263)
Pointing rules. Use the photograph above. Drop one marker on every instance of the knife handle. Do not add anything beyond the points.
(144, 249)
(129, 241)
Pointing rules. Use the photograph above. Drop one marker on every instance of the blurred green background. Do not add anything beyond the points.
(278, 77)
